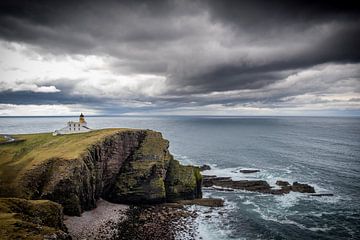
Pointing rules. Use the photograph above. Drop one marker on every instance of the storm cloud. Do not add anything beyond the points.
(181, 56)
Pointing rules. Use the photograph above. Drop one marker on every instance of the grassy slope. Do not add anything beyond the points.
(15, 158)
(26, 219)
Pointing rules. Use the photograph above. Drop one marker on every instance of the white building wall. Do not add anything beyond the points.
(73, 127)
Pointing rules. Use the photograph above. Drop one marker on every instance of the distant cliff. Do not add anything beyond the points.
(120, 165)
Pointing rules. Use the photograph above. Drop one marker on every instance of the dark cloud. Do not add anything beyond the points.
(275, 14)
(199, 46)
(28, 97)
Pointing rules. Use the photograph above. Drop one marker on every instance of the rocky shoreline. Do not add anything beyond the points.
(160, 222)
(168, 221)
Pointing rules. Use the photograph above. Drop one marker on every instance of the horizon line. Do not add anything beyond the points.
(169, 115)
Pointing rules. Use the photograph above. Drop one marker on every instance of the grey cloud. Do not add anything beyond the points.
(257, 43)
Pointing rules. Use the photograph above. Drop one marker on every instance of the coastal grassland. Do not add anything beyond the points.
(30, 219)
(17, 157)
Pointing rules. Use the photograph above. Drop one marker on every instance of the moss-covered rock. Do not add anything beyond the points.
(152, 175)
(31, 219)
(182, 182)
(141, 179)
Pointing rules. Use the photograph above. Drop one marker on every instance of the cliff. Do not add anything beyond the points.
(120, 165)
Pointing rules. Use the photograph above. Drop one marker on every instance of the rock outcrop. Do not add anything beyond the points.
(152, 175)
(182, 182)
(227, 184)
(205, 167)
(302, 187)
(249, 170)
(282, 183)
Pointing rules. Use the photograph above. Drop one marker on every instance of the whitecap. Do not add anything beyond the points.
(319, 229)
(213, 228)
(288, 200)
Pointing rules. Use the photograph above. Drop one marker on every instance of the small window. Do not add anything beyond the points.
(69, 129)
(79, 129)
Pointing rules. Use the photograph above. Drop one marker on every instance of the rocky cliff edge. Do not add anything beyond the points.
(120, 165)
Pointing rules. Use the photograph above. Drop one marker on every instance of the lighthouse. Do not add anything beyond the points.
(82, 118)
(74, 127)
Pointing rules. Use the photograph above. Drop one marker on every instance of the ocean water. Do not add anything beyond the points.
(321, 151)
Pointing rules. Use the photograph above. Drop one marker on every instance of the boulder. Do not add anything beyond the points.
(249, 170)
(207, 202)
(282, 183)
(210, 180)
(302, 188)
(322, 195)
(205, 167)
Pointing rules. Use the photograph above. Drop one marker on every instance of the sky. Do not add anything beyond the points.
(178, 57)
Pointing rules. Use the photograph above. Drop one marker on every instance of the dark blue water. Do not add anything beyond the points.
(323, 152)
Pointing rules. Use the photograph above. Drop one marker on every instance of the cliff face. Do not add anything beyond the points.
(149, 175)
(132, 166)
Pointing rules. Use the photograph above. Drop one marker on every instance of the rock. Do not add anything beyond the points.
(178, 224)
(303, 188)
(182, 182)
(141, 178)
(209, 176)
(207, 202)
(322, 195)
(226, 182)
(205, 167)
(282, 190)
(209, 180)
(249, 170)
(282, 183)
(153, 175)
(249, 185)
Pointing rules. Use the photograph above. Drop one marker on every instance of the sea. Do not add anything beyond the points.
(321, 151)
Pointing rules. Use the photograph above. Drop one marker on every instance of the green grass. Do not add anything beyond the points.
(17, 157)
(2, 139)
